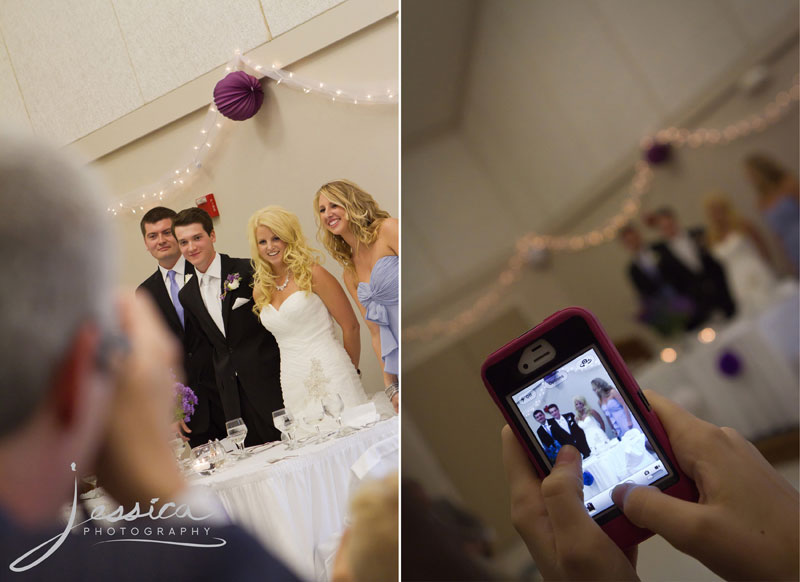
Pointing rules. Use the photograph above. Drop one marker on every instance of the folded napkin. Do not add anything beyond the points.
(361, 415)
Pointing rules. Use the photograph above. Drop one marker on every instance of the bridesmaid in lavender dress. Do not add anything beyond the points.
(364, 240)
(779, 202)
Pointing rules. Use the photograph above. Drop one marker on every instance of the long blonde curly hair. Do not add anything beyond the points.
(298, 256)
(364, 218)
(720, 202)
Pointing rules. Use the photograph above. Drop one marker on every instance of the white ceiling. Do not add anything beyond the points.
(552, 100)
(69, 67)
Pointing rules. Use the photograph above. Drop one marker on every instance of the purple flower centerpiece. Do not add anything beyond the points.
(185, 401)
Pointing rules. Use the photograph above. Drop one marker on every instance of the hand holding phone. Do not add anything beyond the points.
(745, 525)
(555, 385)
(549, 515)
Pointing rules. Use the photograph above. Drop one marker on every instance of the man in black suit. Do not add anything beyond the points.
(219, 299)
(208, 421)
(544, 431)
(87, 388)
(566, 431)
(643, 268)
(689, 268)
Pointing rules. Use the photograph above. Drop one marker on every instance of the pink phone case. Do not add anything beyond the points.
(619, 529)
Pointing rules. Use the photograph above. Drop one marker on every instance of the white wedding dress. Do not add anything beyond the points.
(596, 437)
(314, 362)
(751, 281)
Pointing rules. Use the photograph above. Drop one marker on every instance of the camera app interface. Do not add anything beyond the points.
(578, 404)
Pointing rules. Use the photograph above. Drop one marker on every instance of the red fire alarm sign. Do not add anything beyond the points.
(208, 204)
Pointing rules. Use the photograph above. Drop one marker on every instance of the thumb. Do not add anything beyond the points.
(650, 508)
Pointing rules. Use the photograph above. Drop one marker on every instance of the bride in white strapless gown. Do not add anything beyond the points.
(733, 243)
(314, 363)
(298, 301)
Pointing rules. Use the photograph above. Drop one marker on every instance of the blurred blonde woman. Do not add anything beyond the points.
(364, 240)
(743, 253)
(591, 422)
(778, 201)
(297, 300)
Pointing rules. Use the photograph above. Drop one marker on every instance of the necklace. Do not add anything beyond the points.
(285, 283)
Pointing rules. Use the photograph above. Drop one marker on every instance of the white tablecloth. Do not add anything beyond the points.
(294, 504)
(616, 462)
(759, 400)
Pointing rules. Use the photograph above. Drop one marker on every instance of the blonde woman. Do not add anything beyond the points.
(741, 250)
(297, 300)
(591, 422)
(364, 240)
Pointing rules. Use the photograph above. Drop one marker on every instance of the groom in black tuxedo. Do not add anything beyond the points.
(685, 263)
(208, 421)
(566, 431)
(219, 300)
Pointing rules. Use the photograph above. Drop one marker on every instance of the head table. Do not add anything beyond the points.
(292, 500)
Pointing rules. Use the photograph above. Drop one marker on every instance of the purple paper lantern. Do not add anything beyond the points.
(238, 96)
(730, 364)
(658, 153)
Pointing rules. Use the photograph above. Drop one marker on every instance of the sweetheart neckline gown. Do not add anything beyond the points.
(314, 362)
(380, 298)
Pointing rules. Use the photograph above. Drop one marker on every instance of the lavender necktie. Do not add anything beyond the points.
(173, 291)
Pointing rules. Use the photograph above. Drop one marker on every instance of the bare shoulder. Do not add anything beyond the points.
(389, 233)
(320, 274)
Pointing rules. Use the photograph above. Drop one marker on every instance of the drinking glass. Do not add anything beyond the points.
(237, 431)
(284, 422)
(333, 405)
(313, 416)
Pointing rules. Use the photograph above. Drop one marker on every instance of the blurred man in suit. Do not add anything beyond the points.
(208, 421)
(686, 265)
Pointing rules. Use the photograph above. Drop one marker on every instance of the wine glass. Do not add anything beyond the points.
(237, 432)
(284, 422)
(333, 405)
(313, 416)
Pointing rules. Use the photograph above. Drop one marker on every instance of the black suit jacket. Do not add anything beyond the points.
(208, 420)
(575, 437)
(708, 288)
(647, 284)
(246, 355)
(545, 437)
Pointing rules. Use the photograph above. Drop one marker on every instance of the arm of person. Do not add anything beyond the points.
(564, 541)
(598, 418)
(745, 524)
(390, 234)
(327, 287)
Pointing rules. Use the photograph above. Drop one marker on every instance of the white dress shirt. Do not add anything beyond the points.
(563, 423)
(683, 247)
(180, 269)
(647, 261)
(210, 289)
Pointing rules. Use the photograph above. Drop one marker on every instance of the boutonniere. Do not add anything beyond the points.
(231, 283)
(186, 278)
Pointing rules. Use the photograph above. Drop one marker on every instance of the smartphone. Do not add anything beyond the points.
(563, 382)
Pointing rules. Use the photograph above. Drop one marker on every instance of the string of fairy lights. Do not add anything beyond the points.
(214, 126)
(531, 247)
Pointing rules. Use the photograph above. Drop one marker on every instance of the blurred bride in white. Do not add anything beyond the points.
(743, 253)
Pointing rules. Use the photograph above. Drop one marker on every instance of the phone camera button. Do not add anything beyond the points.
(644, 400)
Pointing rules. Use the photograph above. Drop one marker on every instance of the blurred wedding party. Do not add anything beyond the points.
(636, 159)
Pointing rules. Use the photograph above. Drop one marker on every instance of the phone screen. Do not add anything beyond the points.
(579, 403)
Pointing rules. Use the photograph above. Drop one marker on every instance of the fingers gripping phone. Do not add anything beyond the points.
(563, 382)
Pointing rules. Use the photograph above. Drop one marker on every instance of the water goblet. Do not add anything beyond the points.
(237, 432)
(284, 422)
(312, 417)
(333, 405)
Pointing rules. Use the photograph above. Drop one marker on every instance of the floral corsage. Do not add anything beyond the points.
(231, 284)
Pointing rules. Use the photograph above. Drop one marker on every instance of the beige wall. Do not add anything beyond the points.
(293, 145)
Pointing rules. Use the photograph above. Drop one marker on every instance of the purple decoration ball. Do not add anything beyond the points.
(730, 364)
(238, 96)
(658, 153)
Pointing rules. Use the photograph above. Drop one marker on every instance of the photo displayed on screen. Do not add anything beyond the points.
(578, 404)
